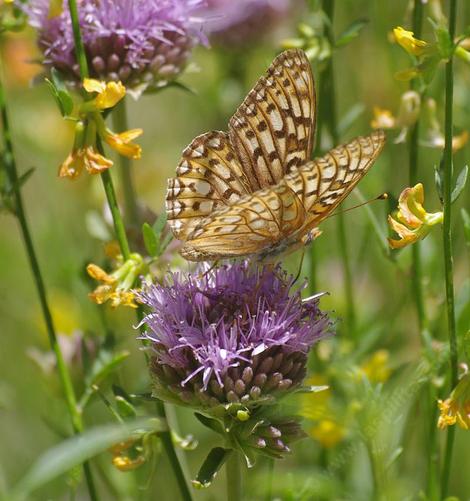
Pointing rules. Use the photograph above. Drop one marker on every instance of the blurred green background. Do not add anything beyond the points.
(61, 214)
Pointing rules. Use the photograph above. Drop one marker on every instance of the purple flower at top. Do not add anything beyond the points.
(140, 42)
(238, 333)
(241, 22)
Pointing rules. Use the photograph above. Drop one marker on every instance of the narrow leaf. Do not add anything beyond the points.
(212, 464)
(124, 408)
(106, 363)
(74, 451)
(159, 224)
(351, 32)
(466, 225)
(150, 240)
(211, 423)
(460, 184)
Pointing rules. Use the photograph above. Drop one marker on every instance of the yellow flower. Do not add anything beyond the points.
(383, 119)
(328, 432)
(73, 165)
(376, 367)
(412, 222)
(94, 162)
(109, 93)
(81, 158)
(123, 144)
(411, 44)
(128, 455)
(456, 408)
(116, 287)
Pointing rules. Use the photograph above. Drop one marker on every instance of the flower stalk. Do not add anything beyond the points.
(234, 477)
(120, 124)
(124, 245)
(64, 375)
(447, 168)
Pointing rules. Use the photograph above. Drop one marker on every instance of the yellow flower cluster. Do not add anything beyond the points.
(127, 456)
(456, 408)
(412, 222)
(91, 127)
(117, 286)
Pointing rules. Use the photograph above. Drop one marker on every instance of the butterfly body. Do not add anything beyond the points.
(252, 190)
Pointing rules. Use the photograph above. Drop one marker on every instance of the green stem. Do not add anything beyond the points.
(118, 222)
(120, 124)
(77, 37)
(234, 477)
(122, 238)
(173, 458)
(64, 375)
(329, 118)
(447, 168)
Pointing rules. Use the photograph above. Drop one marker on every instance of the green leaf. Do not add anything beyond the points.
(60, 93)
(438, 181)
(25, 176)
(210, 423)
(460, 184)
(160, 223)
(444, 42)
(74, 451)
(186, 443)
(124, 408)
(150, 240)
(106, 363)
(212, 464)
(351, 32)
(466, 225)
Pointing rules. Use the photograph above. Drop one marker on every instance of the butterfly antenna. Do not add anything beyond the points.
(300, 265)
(383, 196)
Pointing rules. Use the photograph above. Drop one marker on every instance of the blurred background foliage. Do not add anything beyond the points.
(376, 406)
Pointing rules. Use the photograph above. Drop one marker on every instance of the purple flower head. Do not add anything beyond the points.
(237, 23)
(235, 334)
(140, 42)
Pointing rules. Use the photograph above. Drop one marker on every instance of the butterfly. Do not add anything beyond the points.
(253, 190)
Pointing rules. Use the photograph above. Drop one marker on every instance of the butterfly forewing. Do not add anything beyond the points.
(272, 131)
(209, 177)
(338, 172)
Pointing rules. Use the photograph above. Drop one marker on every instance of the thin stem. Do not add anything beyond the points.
(447, 168)
(122, 238)
(173, 458)
(64, 375)
(77, 37)
(329, 118)
(120, 124)
(234, 477)
(118, 222)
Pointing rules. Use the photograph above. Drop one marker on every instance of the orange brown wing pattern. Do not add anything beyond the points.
(272, 131)
(256, 223)
(209, 177)
(275, 219)
(328, 180)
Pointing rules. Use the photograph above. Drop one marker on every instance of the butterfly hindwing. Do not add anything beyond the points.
(272, 131)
